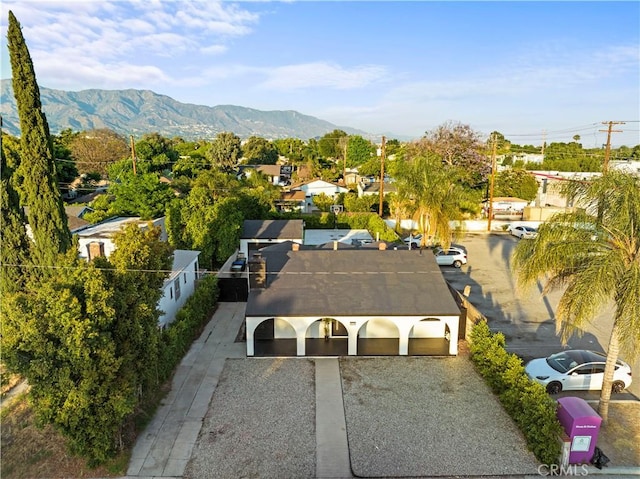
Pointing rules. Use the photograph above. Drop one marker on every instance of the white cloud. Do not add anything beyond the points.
(322, 74)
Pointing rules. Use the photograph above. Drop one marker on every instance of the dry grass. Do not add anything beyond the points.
(619, 439)
(29, 452)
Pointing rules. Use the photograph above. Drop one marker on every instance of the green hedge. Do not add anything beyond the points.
(190, 320)
(361, 221)
(526, 401)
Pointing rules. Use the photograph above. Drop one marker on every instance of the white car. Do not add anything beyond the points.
(454, 256)
(526, 232)
(413, 241)
(577, 369)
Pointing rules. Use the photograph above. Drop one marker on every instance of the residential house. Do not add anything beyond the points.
(257, 234)
(348, 301)
(373, 188)
(97, 240)
(316, 187)
(279, 175)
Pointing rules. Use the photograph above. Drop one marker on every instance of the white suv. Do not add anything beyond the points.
(454, 256)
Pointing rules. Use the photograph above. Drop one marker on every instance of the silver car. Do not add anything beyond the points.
(524, 232)
(453, 256)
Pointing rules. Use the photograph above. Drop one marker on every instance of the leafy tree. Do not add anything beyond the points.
(517, 183)
(15, 243)
(431, 194)
(503, 146)
(332, 144)
(155, 153)
(392, 147)
(323, 202)
(95, 150)
(66, 170)
(595, 270)
(141, 262)
(46, 215)
(372, 167)
(359, 151)
(363, 204)
(258, 151)
(459, 146)
(290, 148)
(225, 151)
(136, 195)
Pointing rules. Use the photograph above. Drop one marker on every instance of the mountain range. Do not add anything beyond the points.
(136, 112)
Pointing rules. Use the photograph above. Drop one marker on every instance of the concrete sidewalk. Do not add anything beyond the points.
(165, 446)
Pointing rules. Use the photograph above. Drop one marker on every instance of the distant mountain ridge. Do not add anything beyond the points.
(136, 112)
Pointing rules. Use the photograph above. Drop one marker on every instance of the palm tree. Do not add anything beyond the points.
(432, 195)
(594, 253)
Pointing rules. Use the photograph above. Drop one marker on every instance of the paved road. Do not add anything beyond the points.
(525, 318)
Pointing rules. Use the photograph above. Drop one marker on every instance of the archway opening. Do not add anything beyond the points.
(429, 337)
(378, 337)
(274, 338)
(325, 337)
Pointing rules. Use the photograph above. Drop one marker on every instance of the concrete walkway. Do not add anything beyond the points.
(164, 448)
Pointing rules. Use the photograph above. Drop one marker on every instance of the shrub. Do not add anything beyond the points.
(526, 401)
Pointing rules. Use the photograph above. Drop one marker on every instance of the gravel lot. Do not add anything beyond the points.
(421, 416)
(261, 422)
(406, 416)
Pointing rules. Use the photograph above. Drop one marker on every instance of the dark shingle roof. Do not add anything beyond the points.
(352, 282)
(272, 229)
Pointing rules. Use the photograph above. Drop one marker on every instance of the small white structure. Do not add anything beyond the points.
(97, 240)
(316, 187)
(179, 285)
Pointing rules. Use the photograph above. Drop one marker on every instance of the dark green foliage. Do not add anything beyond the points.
(517, 183)
(14, 243)
(140, 195)
(258, 151)
(47, 217)
(359, 151)
(225, 151)
(526, 401)
(58, 334)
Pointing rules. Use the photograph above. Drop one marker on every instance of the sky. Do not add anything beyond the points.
(533, 71)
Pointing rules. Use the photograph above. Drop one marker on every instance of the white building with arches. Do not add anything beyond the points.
(349, 301)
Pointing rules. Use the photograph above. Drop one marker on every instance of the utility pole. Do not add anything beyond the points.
(607, 151)
(544, 142)
(133, 154)
(344, 161)
(381, 176)
(493, 174)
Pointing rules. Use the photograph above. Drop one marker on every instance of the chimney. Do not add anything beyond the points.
(257, 272)
(382, 246)
(295, 247)
(335, 245)
(95, 249)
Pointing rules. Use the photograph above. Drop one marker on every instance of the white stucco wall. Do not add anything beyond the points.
(185, 272)
(402, 327)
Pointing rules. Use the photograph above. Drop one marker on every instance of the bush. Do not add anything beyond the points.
(526, 401)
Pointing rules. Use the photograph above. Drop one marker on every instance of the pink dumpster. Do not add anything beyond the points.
(582, 425)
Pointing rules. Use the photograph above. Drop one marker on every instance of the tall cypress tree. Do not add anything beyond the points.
(14, 243)
(46, 214)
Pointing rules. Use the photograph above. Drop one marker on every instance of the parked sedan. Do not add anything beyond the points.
(453, 256)
(577, 369)
(526, 232)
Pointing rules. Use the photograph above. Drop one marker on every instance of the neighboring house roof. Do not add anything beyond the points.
(375, 188)
(272, 229)
(181, 259)
(351, 282)
(297, 195)
(508, 199)
(107, 228)
(317, 183)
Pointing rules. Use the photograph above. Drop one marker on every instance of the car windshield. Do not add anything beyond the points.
(562, 362)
